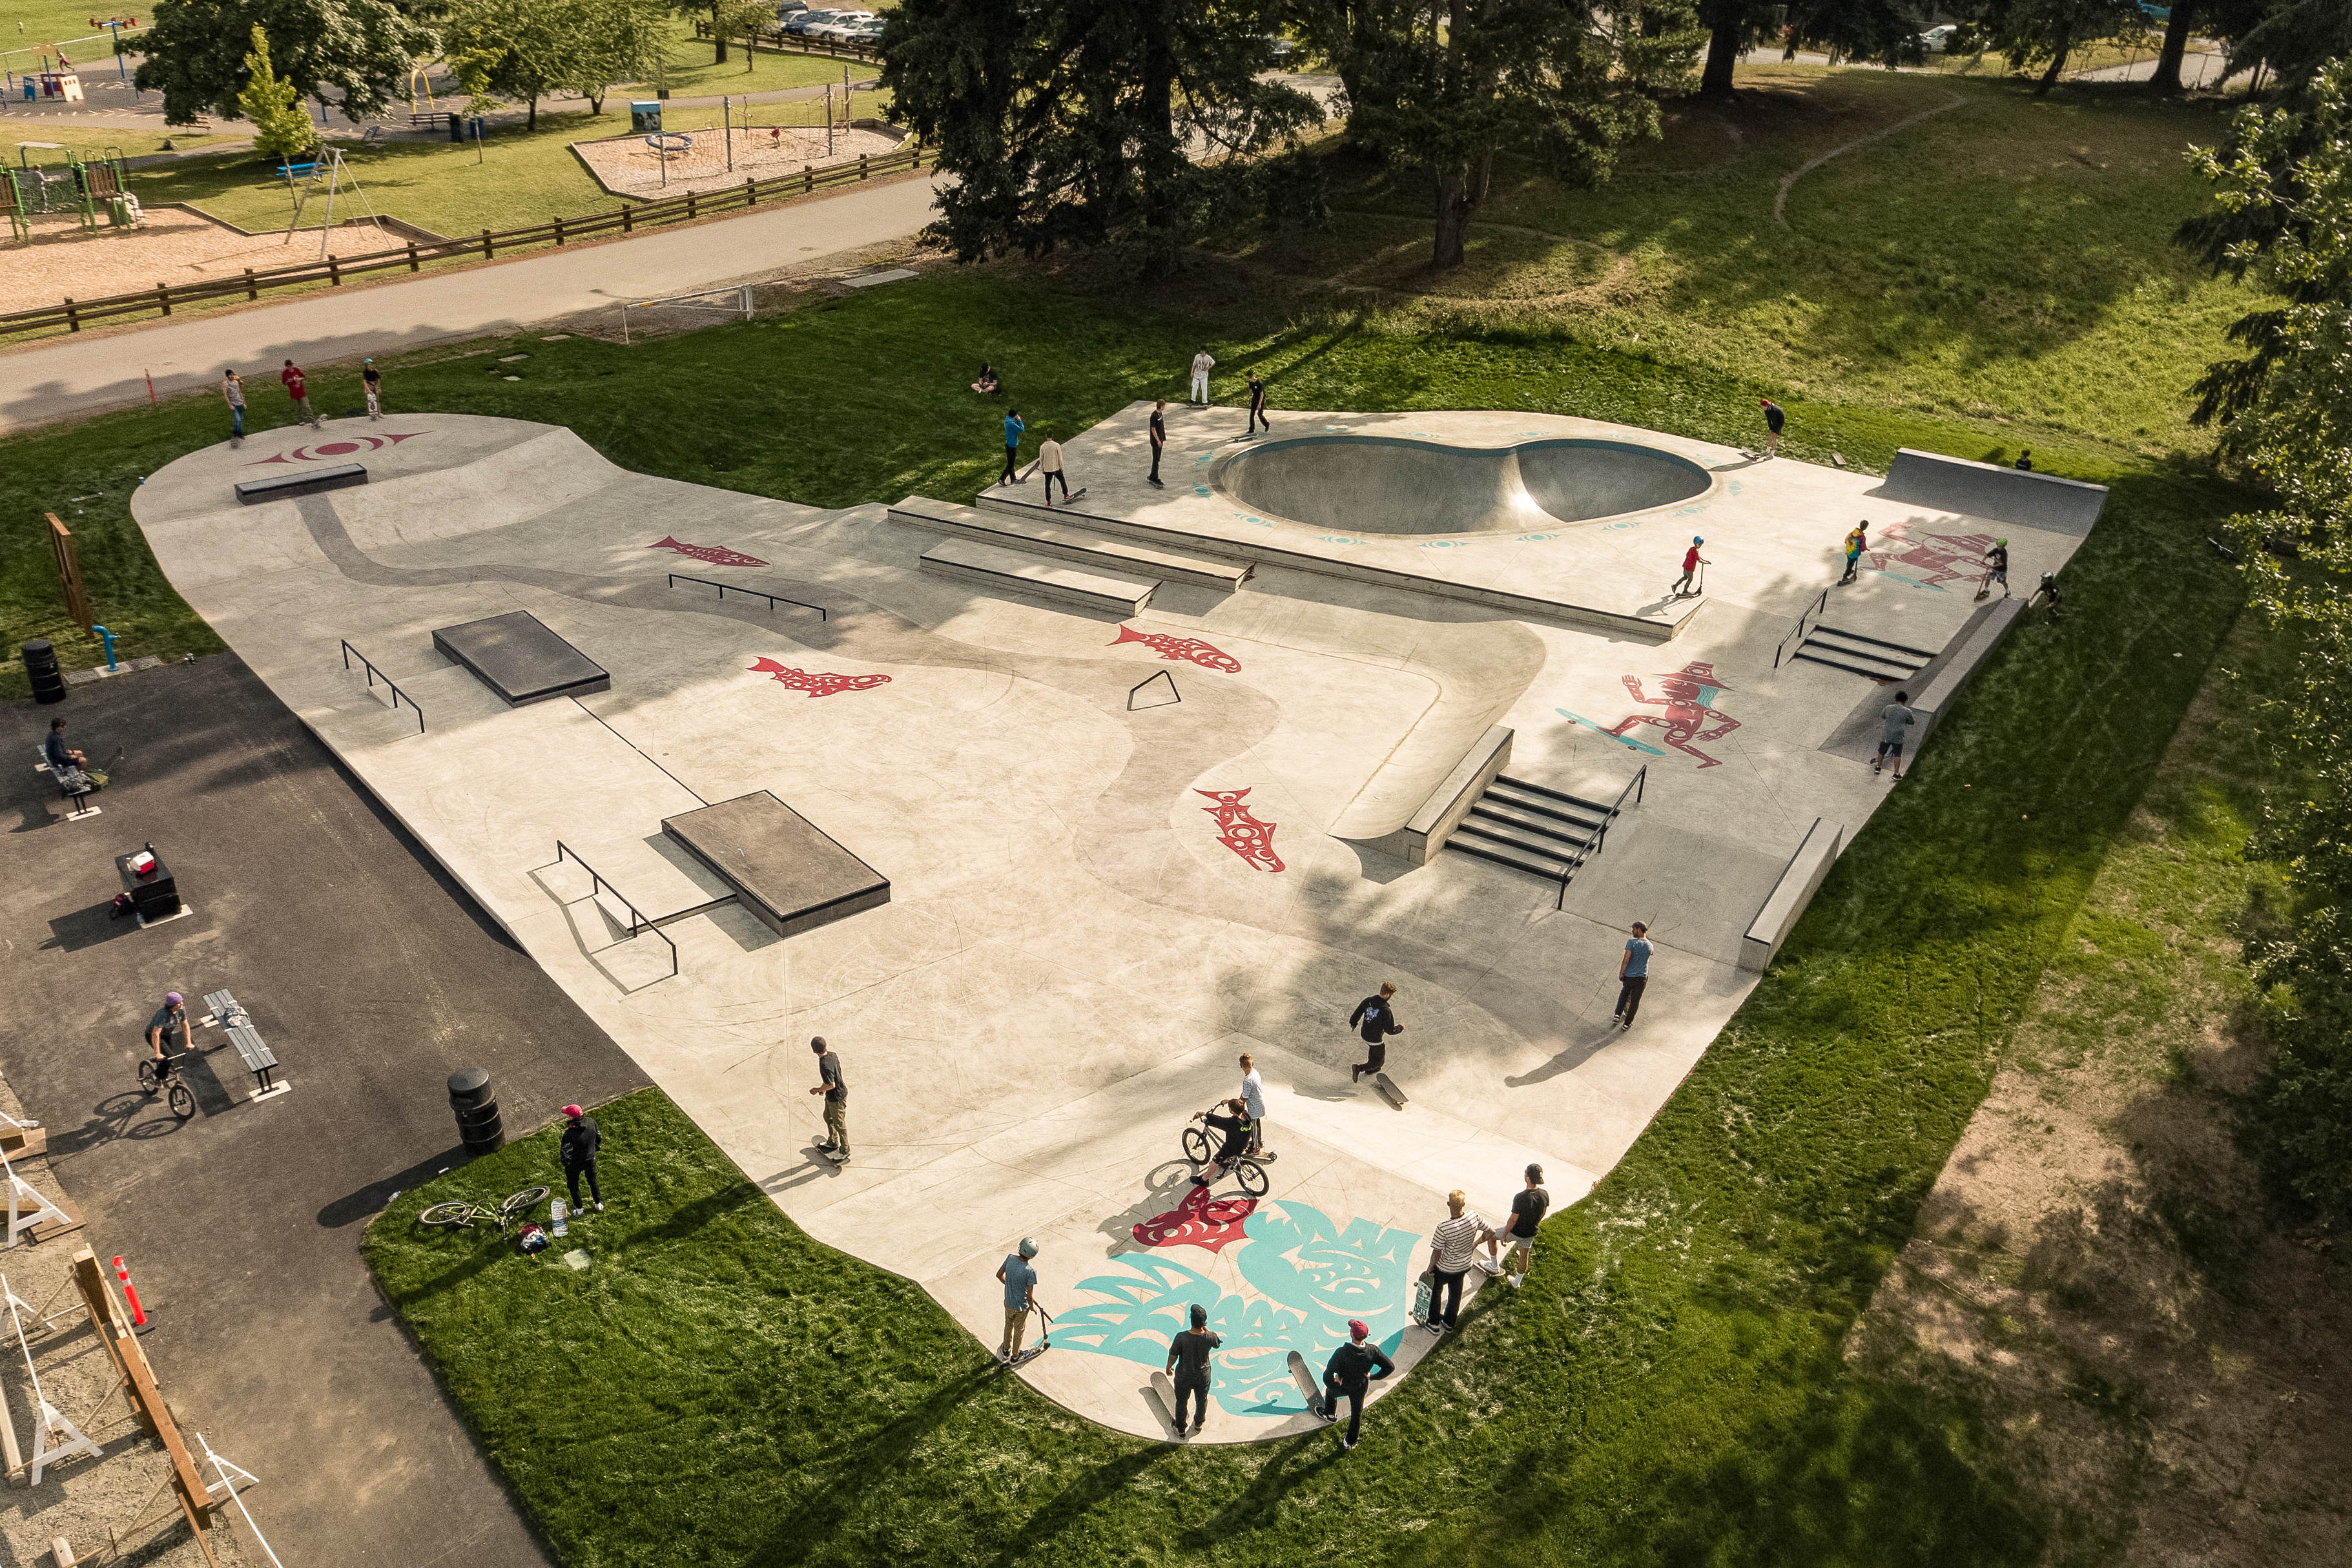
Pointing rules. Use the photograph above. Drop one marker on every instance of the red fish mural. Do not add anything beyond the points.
(1688, 697)
(1243, 834)
(715, 555)
(1199, 1221)
(1192, 650)
(816, 685)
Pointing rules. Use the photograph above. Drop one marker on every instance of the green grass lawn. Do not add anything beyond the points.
(688, 69)
(87, 142)
(30, 24)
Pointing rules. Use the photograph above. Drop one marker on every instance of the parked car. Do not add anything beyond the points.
(786, 7)
(839, 27)
(1934, 40)
(869, 31)
(1277, 50)
(802, 21)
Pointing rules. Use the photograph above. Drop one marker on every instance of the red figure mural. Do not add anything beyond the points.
(1941, 557)
(1688, 697)
(1243, 834)
(341, 446)
(1199, 1221)
(1193, 649)
(816, 685)
(717, 554)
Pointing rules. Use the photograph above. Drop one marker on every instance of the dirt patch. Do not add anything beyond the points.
(698, 160)
(171, 248)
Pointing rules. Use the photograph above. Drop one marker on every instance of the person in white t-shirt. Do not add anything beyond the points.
(1201, 365)
(1453, 1246)
(1254, 1096)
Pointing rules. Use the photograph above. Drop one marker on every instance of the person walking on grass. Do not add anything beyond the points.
(1257, 419)
(1632, 975)
(578, 1152)
(1049, 463)
(1856, 543)
(1996, 570)
(1201, 365)
(1894, 718)
(1528, 1211)
(1019, 1277)
(1773, 419)
(834, 1144)
(1188, 1367)
(1254, 1101)
(1692, 561)
(373, 379)
(1375, 1020)
(233, 394)
(1012, 428)
(1452, 1247)
(1159, 438)
(298, 389)
(1349, 1375)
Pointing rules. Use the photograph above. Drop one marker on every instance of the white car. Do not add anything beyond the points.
(1934, 40)
(839, 26)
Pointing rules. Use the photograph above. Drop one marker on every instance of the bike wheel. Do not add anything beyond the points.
(456, 1215)
(147, 1080)
(1196, 1146)
(1252, 1176)
(521, 1202)
(183, 1100)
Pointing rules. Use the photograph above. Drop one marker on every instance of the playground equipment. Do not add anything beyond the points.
(102, 182)
(14, 206)
(327, 167)
(668, 145)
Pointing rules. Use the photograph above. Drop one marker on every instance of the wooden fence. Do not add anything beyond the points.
(72, 314)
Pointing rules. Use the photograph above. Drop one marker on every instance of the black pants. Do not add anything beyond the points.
(1259, 419)
(1012, 466)
(1155, 460)
(1629, 995)
(1379, 1056)
(1051, 476)
(1355, 1399)
(1449, 1293)
(1198, 1393)
(572, 1175)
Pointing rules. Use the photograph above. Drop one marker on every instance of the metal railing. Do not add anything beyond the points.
(1598, 836)
(374, 675)
(637, 921)
(1819, 608)
(774, 599)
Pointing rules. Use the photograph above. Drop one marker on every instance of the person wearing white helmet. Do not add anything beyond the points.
(167, 1031)
(1019, 1277)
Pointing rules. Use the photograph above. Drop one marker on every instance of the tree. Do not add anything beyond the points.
(1561, 81)
(614, 40)
(1087, 121)
(279, 126)
(2029, 32)
(741, 19)
(514, 50)
(350, 53)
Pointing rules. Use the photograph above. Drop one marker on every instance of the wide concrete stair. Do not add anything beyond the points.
(1858, 655)
(1012, 571)
(1530, 828)
(1049, 536)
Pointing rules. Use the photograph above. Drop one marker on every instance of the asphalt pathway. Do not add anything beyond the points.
(373, 978)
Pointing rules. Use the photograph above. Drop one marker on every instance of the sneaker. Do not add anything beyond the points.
(600, 1208)
(1517, 1281)
(1435, 1327)
(1354, 1074)
(825, 1145)
(1490, 1265)
(1345, 1445)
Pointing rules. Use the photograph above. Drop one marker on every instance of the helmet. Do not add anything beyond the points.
(1696, 540)
(1028, 1246)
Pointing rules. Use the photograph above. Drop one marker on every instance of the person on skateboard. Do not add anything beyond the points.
(1375, 1019)
(1019, 1277)
(1349, 1372)
(1187, 1364)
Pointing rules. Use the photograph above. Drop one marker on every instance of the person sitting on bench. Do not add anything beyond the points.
(986, 384)
(59, 754)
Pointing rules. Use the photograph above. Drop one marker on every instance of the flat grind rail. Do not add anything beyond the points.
(774, 599)
(637, 921)
(374, 675)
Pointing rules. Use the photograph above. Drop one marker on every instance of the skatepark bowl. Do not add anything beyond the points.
(1379, 484)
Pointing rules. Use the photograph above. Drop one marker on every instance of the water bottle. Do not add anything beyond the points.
(557, 1218)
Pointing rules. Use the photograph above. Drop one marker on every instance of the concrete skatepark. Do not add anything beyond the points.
(1103, 886)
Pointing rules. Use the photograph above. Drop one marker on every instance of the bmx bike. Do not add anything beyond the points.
(164, 1077)
(461, 1213)
(1202, 1149)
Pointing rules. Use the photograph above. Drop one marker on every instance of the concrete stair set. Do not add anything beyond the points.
(1530, 828)
(1859, 655)
(1008, 547)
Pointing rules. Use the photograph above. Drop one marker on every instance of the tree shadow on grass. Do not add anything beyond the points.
(1074, 1502)
(1287, 1466)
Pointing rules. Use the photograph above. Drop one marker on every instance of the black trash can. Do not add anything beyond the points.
(41, 668)
(478, 1127)
(456, 128)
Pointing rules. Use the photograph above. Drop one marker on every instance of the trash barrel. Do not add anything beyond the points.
(456, 128)
(41, 668)
(478, 1128)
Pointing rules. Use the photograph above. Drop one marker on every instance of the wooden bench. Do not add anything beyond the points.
(74, 786)
(229, 1015)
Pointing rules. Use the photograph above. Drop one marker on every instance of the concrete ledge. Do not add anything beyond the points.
(1006, 570)
(521, 658)
(790, 873)
(1798, 884)
(1041, 538)
(1991, 491)
(1968, 651)
(308, 482)
(1425, 836)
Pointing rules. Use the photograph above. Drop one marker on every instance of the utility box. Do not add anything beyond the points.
(644, 118)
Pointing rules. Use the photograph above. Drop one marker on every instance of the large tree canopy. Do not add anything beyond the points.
(1086, 121)
(354, 54)
(1878, 32)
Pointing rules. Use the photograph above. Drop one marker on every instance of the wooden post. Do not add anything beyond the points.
(861, 166)
(689, 203)
(808, 179)
(163, 295)
(146, 1395)
(558, 231)
(411, 256)
(334, 273)
(751, 191)
(624, 220)
(73, 317)
(68, 572)
(251, 292)
(486, 245)
(8, 1442)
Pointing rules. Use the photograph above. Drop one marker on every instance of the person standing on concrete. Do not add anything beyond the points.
(1019, 1277)
(167, 1031)
(1012, 428)
(1375, 1019)
(1257, 407)
(1159, 438)
(1996, 570)
(1188, 1367)
(1528, 1211)
(1453, 1246)
(1348, 1374)
(1855, 543)
(1773, 419)
(578, 1152)
(1894, 718)
(373, 379)
(1632, 975)
(233, 394)
(1692, 561)
(1049, 463)
(1201, 365)
(1254, 1101)
(836, 1089)
(298, 389)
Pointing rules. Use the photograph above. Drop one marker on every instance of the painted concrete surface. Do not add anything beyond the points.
(1095, 908)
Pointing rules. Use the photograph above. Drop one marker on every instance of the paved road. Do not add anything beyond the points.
(373, 979)
(84, 374)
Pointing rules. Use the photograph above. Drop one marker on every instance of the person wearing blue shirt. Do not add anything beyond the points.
(1019, 1277)
(1632, 975)
(57, 753)
(1012, 428)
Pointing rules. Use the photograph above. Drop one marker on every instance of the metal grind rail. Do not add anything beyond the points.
(774, 599)
(637, 921)
(1599, 835)
(374, 675)
(1820, 608)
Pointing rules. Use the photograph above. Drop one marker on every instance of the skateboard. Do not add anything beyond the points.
(1165, 1392)
(1076, 495)
(1424, 1297)
(1387, 1086)
(1305, 1381)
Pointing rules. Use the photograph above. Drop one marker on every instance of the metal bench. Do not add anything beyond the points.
(229, 1015)
(73, 784)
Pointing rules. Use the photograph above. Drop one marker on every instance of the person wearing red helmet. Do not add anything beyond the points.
(580, 1141)
(1349, 1372)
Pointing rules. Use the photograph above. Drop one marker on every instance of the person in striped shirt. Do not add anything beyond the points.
(1453, 1246)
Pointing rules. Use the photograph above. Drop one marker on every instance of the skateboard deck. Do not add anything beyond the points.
(1164, 1391)
(1424, 1297)
(1305, 1381)
(1077, 494)
(1387, 1086)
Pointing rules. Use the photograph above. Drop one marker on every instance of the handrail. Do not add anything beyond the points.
(374, 675)
(637, 921)
(1817, 610)
(774, 599)
(1598, 836)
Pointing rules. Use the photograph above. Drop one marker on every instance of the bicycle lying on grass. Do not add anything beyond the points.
(461, 1213)
(165, 1076)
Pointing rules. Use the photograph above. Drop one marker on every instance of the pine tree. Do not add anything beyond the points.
(279, 126)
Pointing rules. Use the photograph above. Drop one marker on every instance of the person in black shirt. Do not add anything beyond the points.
(581, 1141)
(1159, 438)
(1996, 569)
(1238, 1129)
(2025, 459)
(1188, 1364)
(57, 752)
(1773, 419)
(1375, 1019)
(836, 1089)
(1258, 405)
(1528, 1211)
(1349, 1372)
